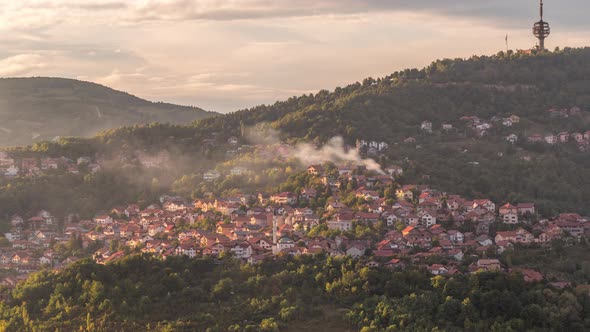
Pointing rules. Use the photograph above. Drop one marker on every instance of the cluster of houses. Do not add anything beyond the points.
(426, 126)
(212, 175)
(479, 126)
(564, 112)
(275, 225)
(30, 167)
(371, 148)
(493, 264)
(582, 140)
(423, 227)
(32, 244)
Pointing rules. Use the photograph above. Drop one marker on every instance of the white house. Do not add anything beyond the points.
(456, 254)
(483, 126)
(484, 240)
(242, 250)
(211, 175)
(455, 236)
(395, 170)
(426, 126)
(437, 269)
(392, 219)
(510, 218)
(341, 225)
(284, 198)
(238, 170)
(486, 204)
(512, 138)
(44, 260)
(83, 160)
(264, 244)
(525, 208)
(103, 220)
(551, 139)
(11, 171)
(428, 219)
(285, 243)
(11, 237)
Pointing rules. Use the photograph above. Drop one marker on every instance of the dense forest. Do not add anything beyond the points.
(141, 293)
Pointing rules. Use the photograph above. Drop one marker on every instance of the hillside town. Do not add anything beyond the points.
(403, 225)
(390, 224)
(29, 167)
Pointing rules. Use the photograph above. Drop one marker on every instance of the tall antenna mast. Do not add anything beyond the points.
(507, 49)
(541, 29)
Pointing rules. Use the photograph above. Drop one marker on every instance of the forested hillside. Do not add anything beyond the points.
(37, 109)
(392, 109)
(181, 294)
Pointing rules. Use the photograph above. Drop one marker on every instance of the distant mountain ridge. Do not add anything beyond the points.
(42, 108)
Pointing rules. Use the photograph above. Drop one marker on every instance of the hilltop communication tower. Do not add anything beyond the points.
(541, 29)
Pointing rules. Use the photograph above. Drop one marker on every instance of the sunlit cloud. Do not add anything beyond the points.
(22, 64)
(40, 15)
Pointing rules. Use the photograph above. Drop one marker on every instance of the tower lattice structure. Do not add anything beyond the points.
(541, 29)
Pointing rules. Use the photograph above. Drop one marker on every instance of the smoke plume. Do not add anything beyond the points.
(333, 151)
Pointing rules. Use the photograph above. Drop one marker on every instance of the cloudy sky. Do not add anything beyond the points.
(225, 55)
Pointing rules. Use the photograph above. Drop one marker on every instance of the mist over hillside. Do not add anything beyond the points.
(37, 109)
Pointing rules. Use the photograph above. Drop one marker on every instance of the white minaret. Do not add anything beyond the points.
(275, 245)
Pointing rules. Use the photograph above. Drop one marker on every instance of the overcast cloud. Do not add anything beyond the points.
(499, 11)
(232, 54)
